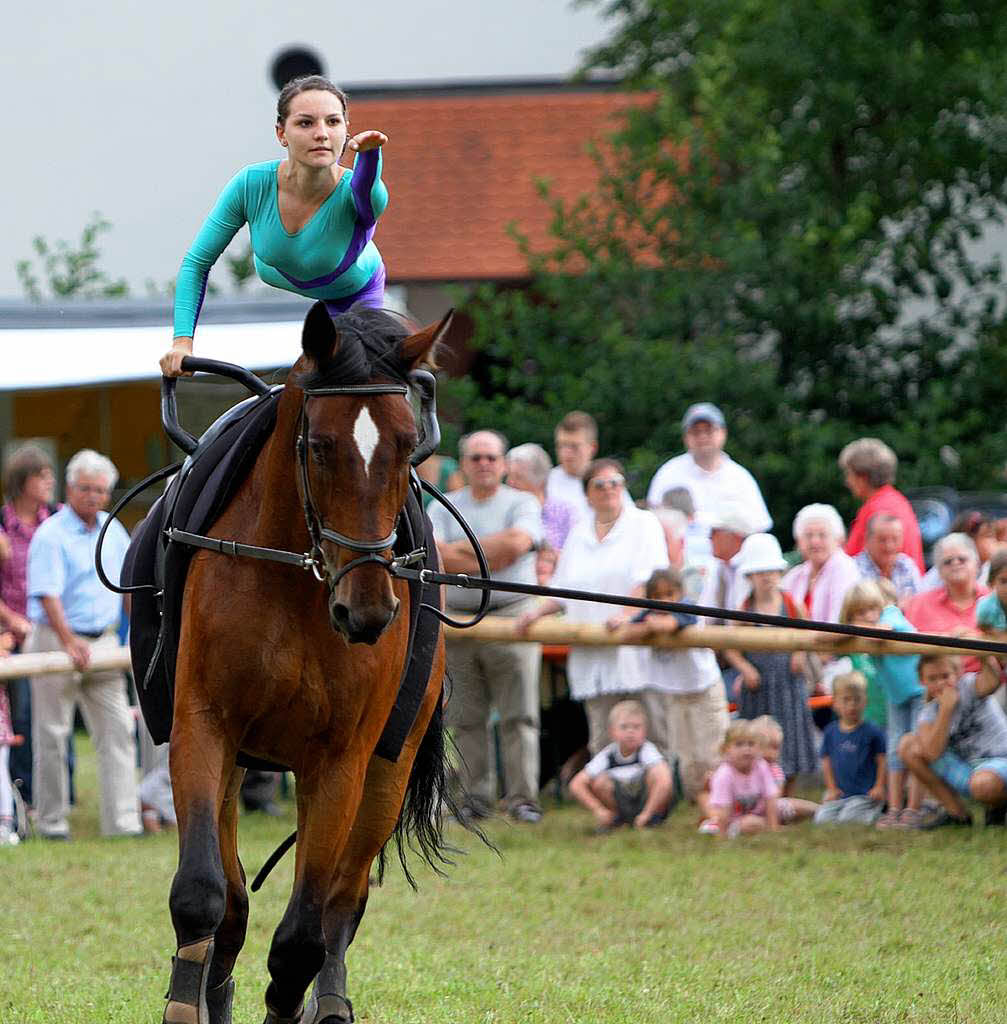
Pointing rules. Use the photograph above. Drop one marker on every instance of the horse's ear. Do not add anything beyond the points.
(318, 339)
(422, 346)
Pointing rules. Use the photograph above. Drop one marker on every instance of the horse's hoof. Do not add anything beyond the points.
(328, 1009)
(272, 1017)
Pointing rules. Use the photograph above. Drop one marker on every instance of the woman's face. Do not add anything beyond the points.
(315, 129)
(816, 543)
(957, 568)
(604, 493)
(40, 487)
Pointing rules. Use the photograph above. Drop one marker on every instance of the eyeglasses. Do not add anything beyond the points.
(954, 560)
(607, 483)
(482, 457)
(90, 488)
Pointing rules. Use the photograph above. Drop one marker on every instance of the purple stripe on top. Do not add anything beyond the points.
(202, 295)
(365, 173)
(358, 241)
(372, 294)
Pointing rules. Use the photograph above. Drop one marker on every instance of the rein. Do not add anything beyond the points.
(534, 590)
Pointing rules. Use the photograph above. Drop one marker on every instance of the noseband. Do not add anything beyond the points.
(369, 550)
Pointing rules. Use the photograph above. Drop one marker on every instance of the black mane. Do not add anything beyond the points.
(369, 342)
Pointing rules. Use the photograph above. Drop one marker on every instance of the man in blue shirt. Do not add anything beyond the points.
(71, 611)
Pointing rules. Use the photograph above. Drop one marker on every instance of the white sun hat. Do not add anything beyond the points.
(760, 553)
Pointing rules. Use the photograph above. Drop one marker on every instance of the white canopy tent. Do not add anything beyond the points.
(57, 357)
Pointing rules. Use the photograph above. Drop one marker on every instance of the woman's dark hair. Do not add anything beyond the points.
(595, 467)
(997, 565)
(306, 83)
(28, 461)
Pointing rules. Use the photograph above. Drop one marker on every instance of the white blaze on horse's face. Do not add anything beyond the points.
(366, 436)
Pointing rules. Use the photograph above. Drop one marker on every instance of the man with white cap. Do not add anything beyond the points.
(709, 473)
(724, 587)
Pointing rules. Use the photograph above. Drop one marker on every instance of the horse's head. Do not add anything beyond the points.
(356, 438)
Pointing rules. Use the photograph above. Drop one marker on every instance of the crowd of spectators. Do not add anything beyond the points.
(904, 741)
(702, 535)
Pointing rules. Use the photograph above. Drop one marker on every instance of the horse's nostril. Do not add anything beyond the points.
(340, 616)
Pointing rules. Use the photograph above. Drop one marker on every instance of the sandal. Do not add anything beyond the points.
(888, 821)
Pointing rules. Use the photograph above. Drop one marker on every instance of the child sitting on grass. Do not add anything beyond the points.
(960, 745)
(627, 782)
(853, 758)
(743, 794)
(769, 736)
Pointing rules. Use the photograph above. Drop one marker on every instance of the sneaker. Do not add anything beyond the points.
(709, 828)
(943, 819)
(8, 836)
(527, 813)
(996, 816)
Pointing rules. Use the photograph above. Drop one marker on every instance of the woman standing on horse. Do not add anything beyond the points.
(310, 219)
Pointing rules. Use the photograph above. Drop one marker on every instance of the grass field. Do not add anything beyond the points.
(808, 925)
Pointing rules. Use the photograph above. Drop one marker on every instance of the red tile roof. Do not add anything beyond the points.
(461, 167)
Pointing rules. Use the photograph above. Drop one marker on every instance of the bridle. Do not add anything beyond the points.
(399, 566)
(369, 550)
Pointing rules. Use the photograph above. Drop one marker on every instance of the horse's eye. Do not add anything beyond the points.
(320, 449)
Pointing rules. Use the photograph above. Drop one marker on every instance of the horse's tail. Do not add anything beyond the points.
(427, 805)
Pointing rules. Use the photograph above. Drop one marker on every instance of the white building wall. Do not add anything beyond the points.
(143, 111)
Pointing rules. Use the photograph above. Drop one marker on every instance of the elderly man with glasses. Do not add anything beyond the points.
(500, 676)
(72, 611)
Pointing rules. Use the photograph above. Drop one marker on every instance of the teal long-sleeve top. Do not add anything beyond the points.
(331, 257)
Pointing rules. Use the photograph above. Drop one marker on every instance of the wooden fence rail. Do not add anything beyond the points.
(559, 632)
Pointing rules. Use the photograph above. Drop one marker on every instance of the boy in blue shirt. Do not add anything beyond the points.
(853, 758)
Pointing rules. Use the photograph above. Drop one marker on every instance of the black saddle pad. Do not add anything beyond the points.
(193, 502)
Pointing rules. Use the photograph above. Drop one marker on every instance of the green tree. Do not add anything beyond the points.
(68, 271)
(807, 175)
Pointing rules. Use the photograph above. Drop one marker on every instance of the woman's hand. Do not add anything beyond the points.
(20, 627)
(367, 140)
(171, 361)
(750, 676)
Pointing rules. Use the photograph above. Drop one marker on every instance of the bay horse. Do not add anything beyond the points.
(283, 668)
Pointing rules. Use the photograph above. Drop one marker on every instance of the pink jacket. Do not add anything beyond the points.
(837, 576)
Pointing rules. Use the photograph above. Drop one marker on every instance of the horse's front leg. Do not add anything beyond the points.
(201, 764)
(327, 803)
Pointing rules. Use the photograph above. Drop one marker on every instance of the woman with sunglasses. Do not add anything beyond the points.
(951, 608)
(310, 220)
(612, 551)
